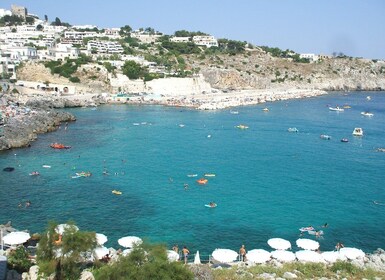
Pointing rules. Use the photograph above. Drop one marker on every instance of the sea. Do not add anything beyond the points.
(268, 182)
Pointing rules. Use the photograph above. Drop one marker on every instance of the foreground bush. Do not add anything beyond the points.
(64, 256)
(144, 262)
(18, 260)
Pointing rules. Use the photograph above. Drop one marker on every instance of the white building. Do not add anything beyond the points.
(79, 35)
(208, 41)
(311, 56)
(85, 26)
(4, 12)
(7, 65)
(104, 47)
(112, 33)
(180, 39)
(145, 37)
(56, 88)
(19, 54)
(63, 51)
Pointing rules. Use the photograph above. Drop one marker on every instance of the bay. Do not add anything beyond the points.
(269, 182)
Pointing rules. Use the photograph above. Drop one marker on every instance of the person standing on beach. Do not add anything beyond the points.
(242, 253)
(185, 254)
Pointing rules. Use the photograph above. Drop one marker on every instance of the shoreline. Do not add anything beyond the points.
(374, 260)
(46, 102)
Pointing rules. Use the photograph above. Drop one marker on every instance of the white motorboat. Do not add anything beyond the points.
(338, 109)
(358, 131)
(367, 114)
(292, 129)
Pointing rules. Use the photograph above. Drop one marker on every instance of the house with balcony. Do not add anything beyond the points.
(180, 39)
(208, 41)
(104, 47)
(310, 56)
(146, 38)
(61, 51)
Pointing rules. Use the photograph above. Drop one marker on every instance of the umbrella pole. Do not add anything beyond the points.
(2, 242)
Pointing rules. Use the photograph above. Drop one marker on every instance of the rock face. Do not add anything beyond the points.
(21, 130)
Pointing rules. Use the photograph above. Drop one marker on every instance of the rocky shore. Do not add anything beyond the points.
(21, 124)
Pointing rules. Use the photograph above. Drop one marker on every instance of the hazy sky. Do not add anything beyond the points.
(353, 27)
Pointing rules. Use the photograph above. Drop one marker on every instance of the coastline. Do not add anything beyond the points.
(30, 113)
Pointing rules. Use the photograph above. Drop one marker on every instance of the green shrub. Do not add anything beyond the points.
(144, 262)
(19, 261)
(74, 79)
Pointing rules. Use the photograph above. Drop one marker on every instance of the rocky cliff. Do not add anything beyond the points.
(253, 70)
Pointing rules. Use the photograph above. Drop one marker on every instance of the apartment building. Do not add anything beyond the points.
(104, 47)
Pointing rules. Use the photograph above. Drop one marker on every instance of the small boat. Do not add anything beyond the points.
(234, 112)
(325, 137)
(344, 140)
(116, 192)
(209, 175)
(347, 107)
(202, 181)
(242, 126)
(368, 97)
(303, 229)
(46, 166)
(367, 114)
(136, 123)
(338, 109)
(211, 205)
(292, 129)
(181, 125)
(34, 173)
(84, 174)
(381, 150)
(59, 146)
(192, 175)
(358, 131)
(265, 109)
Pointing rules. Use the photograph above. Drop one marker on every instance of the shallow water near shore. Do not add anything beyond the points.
(269, 182)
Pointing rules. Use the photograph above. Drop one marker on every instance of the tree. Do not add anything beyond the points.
(57, 22)
(133, 70)
(125, 31)
(30, 20)
(46, 18)
(64, 254)
(39, 27)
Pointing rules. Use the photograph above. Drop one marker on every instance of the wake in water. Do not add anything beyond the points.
(378, 203)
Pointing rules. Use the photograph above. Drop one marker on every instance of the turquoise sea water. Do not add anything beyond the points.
(268, 182)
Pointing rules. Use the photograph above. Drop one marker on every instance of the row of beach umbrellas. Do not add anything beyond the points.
(262, 256)
(221, 255)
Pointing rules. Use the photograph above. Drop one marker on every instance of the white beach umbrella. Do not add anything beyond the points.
(126, 252)
(16, 238)
(60, 229)
(283, 256)
(172, 256)
(129, 241)
(279, 243)
(352, 253)
(258, 256)
(307, 244)
(100, 252)
(224, 255)
(309, 256)
(197, 259)
(101, 238)
(333, 256)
